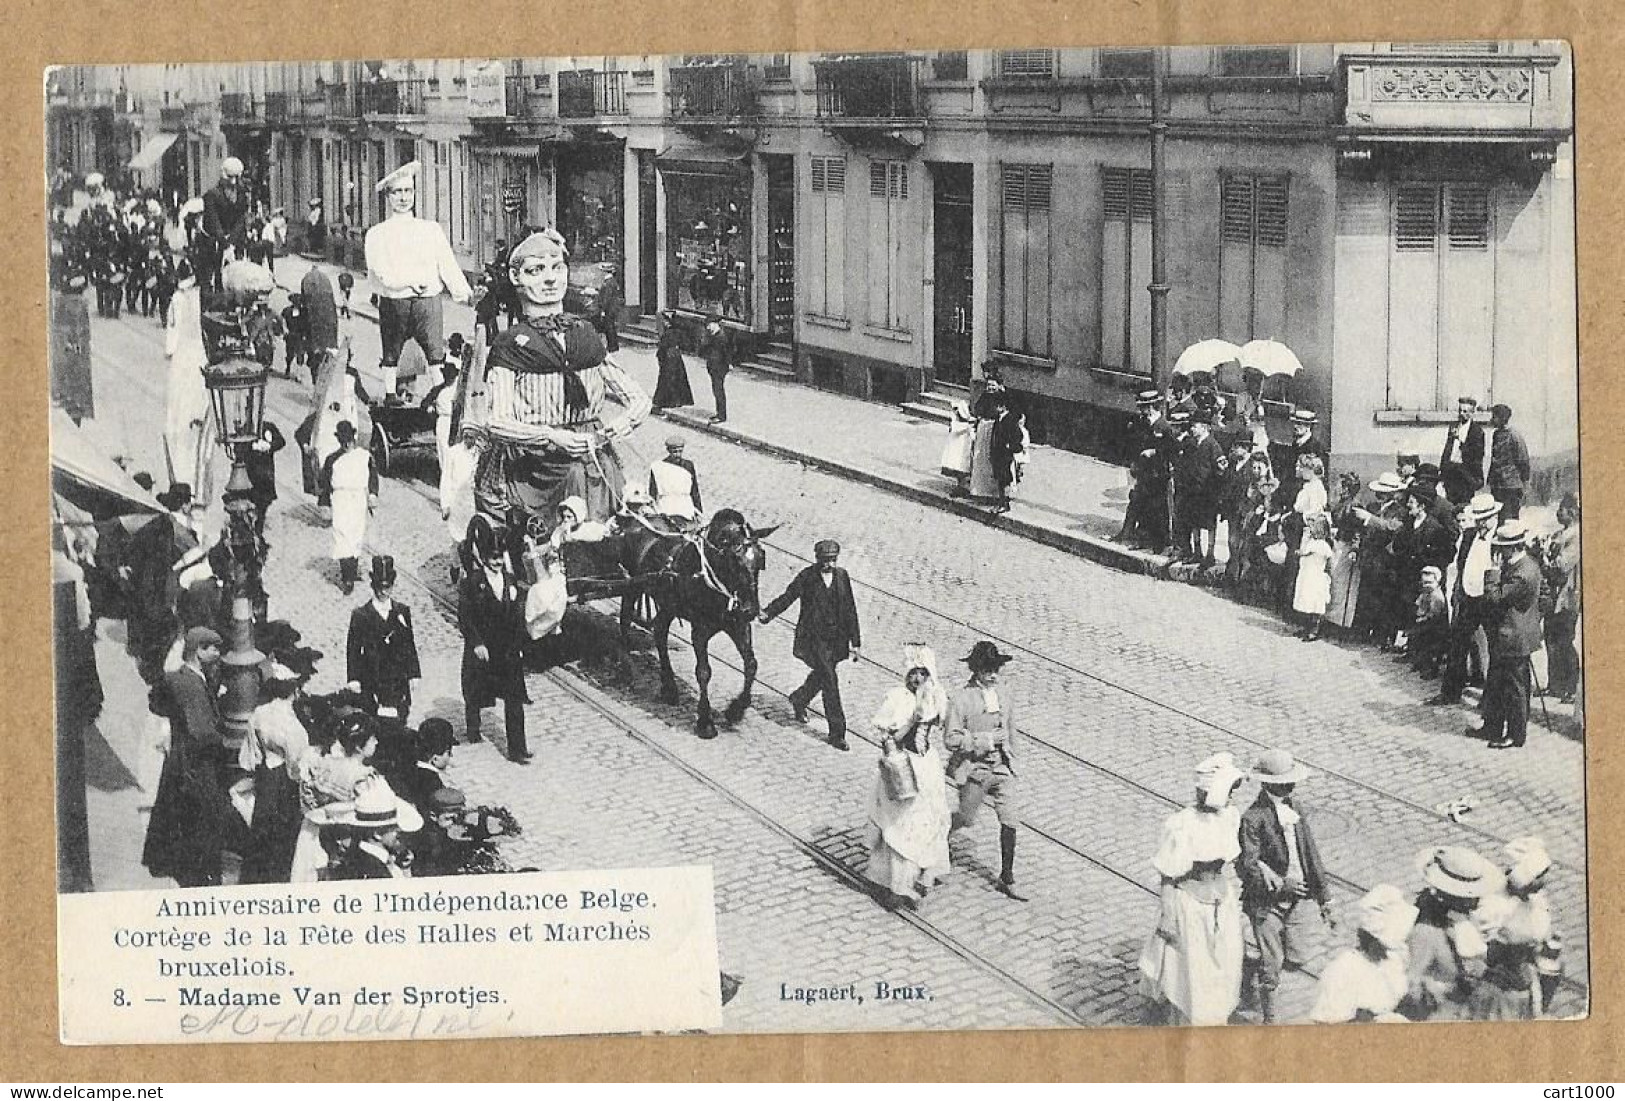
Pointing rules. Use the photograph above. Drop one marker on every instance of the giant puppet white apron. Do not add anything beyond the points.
(352, 475)
(674, 490)
(187, 412)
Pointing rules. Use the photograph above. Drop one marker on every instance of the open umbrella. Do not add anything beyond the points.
(1270, 357)
(1205, 355)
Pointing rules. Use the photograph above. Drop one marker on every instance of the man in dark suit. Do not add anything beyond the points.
(1512, 617)
(1509, 463)
(718, 356)
(1461, 463)
(259, 459)
(826, 633)
(1280, 871)
(1145, 521)
(225, 221)
(190, 814)
(382, 651)
(1198, 476)
(1420, 541)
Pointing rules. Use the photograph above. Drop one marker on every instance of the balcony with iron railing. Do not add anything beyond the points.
(238, 108)
(172, 120)
(393, 98)
(870, 90)
(525, 98)
(277, 111)
(719, 92)
(341, 101)
(309, 105)
(586, 94)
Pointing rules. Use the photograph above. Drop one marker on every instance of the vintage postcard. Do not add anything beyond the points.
(818, 542)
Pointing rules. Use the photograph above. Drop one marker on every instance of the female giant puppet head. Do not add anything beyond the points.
(540, 269)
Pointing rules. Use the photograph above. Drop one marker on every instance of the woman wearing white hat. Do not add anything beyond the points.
(908, 812)
(1366, 982)
(375, 821)
(1523, 961)
(1192, 962)
(1447, 945)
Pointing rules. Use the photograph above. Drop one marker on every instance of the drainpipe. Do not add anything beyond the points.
(1159, 227)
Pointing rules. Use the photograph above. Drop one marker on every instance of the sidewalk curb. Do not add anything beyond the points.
(1096, 550)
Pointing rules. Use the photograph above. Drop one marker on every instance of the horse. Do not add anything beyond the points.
(712, 582)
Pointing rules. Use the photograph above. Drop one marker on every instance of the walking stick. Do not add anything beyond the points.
(1544, 713)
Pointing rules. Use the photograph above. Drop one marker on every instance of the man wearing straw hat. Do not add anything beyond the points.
(1280, 871)
(1145, 521)
(1512, 620)
(410, 263)
(1473, 560)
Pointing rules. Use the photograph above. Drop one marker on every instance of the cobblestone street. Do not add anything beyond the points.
(1122, 682)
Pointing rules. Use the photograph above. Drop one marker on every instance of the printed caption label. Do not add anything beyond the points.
(537, 954)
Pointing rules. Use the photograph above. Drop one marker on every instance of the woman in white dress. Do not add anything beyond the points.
(328, 776)
(186, 396)
(1366, 982)
(908, 813)
(1191, 964)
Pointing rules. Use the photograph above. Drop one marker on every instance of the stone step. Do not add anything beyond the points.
(932, 406)
(770, 365)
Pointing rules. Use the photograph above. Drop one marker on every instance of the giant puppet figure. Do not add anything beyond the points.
(410, 263)
(541, 397)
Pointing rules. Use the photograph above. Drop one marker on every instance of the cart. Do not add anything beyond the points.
(399, 428)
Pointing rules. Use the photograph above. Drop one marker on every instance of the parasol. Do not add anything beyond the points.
(1205, 355)
(1270, 357)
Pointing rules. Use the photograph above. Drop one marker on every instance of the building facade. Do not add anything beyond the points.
(1402, 217)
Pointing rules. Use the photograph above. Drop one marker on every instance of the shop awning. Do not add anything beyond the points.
(152, 152)
(88, 479)
(698, 159)
(518, 151)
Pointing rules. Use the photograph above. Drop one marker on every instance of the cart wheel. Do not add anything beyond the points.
(380, 449)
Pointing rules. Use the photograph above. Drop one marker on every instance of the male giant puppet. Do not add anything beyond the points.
(410, 262)
(542, 396)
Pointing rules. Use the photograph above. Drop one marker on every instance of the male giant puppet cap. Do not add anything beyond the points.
(407, 171)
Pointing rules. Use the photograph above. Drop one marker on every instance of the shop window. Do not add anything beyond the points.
(1123, 64)
(777, 69)
(1125, 264)
(1255, 60)
(1252, 257)
(951, 65)
(1026, 64)
(708, 218)
(888, 225)
(1441, 271)
(590, 197)
(826, 238)
(1025, 248)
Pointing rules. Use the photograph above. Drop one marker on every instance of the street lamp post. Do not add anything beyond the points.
(236, 386)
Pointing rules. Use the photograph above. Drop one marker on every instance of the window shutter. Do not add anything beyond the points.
(820, 178)
(1272, 195)
(1115, 193)
(1028, 187)
(835, 178)
(1029, 64)
(899, 180)
(877, 179)
(1014, 180)
(1416, 219)
(1142, 195)
(1469, 217)
(1236, 209)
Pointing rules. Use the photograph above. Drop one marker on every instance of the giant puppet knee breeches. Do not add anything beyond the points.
(419, 319)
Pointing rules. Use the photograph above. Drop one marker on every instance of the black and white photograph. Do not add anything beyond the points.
(1067, 537)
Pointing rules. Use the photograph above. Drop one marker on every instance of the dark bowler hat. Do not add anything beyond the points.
(345, 431)
(826, 548)
(178, 495)
(985, 657)
(383, 570)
